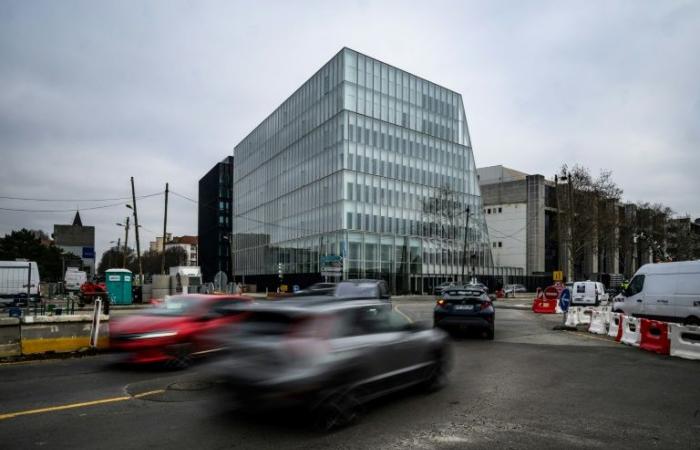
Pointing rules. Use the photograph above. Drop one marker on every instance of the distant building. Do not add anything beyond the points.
(214, 219)
(157, 245)
(78, 240)
(189, 244)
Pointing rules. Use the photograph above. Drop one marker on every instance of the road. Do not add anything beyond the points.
(531, 387)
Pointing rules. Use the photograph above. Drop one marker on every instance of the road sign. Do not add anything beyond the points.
(565, 299)
(558, 275)
(551, 293)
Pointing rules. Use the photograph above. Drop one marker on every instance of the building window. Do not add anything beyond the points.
(349, 219)
(488, 211)
(500, 210)
(500, 244)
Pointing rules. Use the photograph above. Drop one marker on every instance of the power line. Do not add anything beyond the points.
(112, 205)
(27, 199)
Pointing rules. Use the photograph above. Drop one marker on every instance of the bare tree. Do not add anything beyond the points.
(591, 214)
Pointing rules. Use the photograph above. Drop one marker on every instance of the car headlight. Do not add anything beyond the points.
(155, 334)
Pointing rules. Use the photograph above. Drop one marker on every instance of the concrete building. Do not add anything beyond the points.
(214, 220)
(190, 245)
(344, 169)
(78, 240)
(518, 219)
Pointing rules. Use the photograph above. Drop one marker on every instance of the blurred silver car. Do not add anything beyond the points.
(329, 356)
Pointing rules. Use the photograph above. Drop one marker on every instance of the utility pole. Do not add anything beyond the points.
(126, 241)
(165, 225)
(464, 250)
(136, 229)
(570, 233)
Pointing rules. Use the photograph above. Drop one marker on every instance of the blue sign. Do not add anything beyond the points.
(565, 299)
(88, 252)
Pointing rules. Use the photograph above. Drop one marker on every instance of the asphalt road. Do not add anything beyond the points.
(530, 388)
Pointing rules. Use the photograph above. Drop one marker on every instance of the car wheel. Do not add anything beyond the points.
(437, 379)
(336, 411)
(180, 356)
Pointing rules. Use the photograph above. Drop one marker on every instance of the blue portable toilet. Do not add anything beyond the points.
(118, 283)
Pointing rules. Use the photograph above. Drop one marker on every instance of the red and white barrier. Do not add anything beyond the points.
(597, 325)
(630, 331)
(654, 337)
(685, 341)
(615, 328)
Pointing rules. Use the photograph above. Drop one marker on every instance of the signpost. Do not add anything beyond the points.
(565, 299)
(332, 266)
(558, 275)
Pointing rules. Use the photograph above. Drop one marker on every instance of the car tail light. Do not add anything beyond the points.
(441, 302)
(485, 305)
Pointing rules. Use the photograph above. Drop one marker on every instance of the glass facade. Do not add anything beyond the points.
(367, 162)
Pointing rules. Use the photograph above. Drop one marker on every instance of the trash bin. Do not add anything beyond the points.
(119, 284)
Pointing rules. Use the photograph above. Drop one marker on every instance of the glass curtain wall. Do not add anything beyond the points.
(364, 161)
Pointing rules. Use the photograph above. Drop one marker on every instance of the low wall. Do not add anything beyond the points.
(60, 334)
(9, 337)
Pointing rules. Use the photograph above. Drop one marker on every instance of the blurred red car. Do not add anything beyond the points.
(176, 330)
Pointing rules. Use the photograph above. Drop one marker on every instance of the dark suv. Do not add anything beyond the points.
(329, 356)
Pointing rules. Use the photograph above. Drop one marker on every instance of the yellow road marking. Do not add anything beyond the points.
(78, 405)
(401, 312)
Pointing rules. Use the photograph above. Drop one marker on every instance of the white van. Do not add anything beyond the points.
(588, 293)
(74, 279)
(664, 291)
(18, 279)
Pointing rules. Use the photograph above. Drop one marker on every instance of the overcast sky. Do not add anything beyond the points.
(95, 92)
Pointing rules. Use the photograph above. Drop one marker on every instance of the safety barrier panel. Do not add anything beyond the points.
(572, 317)
(654, 337)
(630, 331)
(597, 325)
(685, 341)
(615, 328)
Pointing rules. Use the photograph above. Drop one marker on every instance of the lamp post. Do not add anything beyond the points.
(126, 239)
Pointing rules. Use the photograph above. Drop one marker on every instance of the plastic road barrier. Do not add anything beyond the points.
(630, 331)
(584, 314)
(655, 337)
(685, 341)
(615, 329)
(544, 306)
(597, 325)
(572, 317)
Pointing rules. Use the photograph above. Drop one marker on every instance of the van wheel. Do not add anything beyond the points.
(692, 320)
(338, 410)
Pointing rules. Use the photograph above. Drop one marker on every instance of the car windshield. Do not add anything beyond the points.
(180, 305)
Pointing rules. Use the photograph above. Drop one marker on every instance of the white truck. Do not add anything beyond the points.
(74, 279)
(664, 291)
(19, 281)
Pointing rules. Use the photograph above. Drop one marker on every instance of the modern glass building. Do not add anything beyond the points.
(365, 162)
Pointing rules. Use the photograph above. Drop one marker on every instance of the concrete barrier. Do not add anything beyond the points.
(60, 334)
(9, 337)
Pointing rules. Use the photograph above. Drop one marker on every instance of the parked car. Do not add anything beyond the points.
(362, 289)
(438, 289)
(318, 289)
(328, 357)
(588, 293)
(477, 285)
(463, 308)
(664, 291)
(177, 330)
(512, 289)
(74, 278)
(19, 282)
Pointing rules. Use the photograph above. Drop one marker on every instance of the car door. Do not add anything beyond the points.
(388, 348)
(634, 296)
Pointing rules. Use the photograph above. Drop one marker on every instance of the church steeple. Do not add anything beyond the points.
(76, 220)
